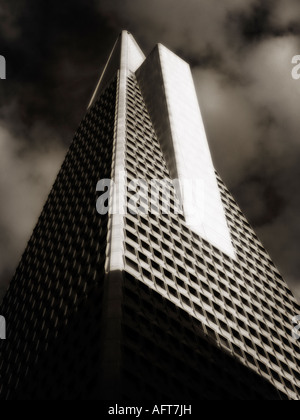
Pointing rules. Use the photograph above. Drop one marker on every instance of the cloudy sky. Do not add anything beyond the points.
(241, 55)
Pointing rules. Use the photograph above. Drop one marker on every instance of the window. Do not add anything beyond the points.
(236, 334)
(130, 248)
(155, 265)
(223, 326)
(198, 309)
(143, 257)
(145, 246)
(237, 350)
(173, 292)
(193, 291)
(211, 318)
(261, 351)
(185, 300)
(158, 254)
(263, 367)
(131, 236)
(250, 359)
(132, 264)
(193, 279)
(169, 262)
(168, 274)
(160, 283)
(147, 274)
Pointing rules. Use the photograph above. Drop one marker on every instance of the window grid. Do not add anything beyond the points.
(230, 297)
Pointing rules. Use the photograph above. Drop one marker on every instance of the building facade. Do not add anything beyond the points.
(183, 304)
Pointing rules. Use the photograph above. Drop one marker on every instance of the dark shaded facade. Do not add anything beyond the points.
(141, 306)
(60, 278)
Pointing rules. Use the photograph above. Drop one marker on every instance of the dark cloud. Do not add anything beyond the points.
(55, 52)
(241, 55)
(53, 60)
(258, 24)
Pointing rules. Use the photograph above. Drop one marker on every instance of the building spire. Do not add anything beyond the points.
(126, 54)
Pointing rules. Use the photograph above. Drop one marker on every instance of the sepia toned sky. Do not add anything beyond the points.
(241, 56)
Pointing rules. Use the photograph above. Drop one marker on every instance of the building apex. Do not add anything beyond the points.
(126, 54)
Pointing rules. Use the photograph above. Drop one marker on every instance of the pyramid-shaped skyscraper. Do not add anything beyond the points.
(167, 295)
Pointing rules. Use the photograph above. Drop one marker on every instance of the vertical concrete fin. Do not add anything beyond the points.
(167, 86)
(130, 58)
(127, 54)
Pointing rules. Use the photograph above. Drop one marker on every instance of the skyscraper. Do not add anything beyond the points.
(177, 304)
